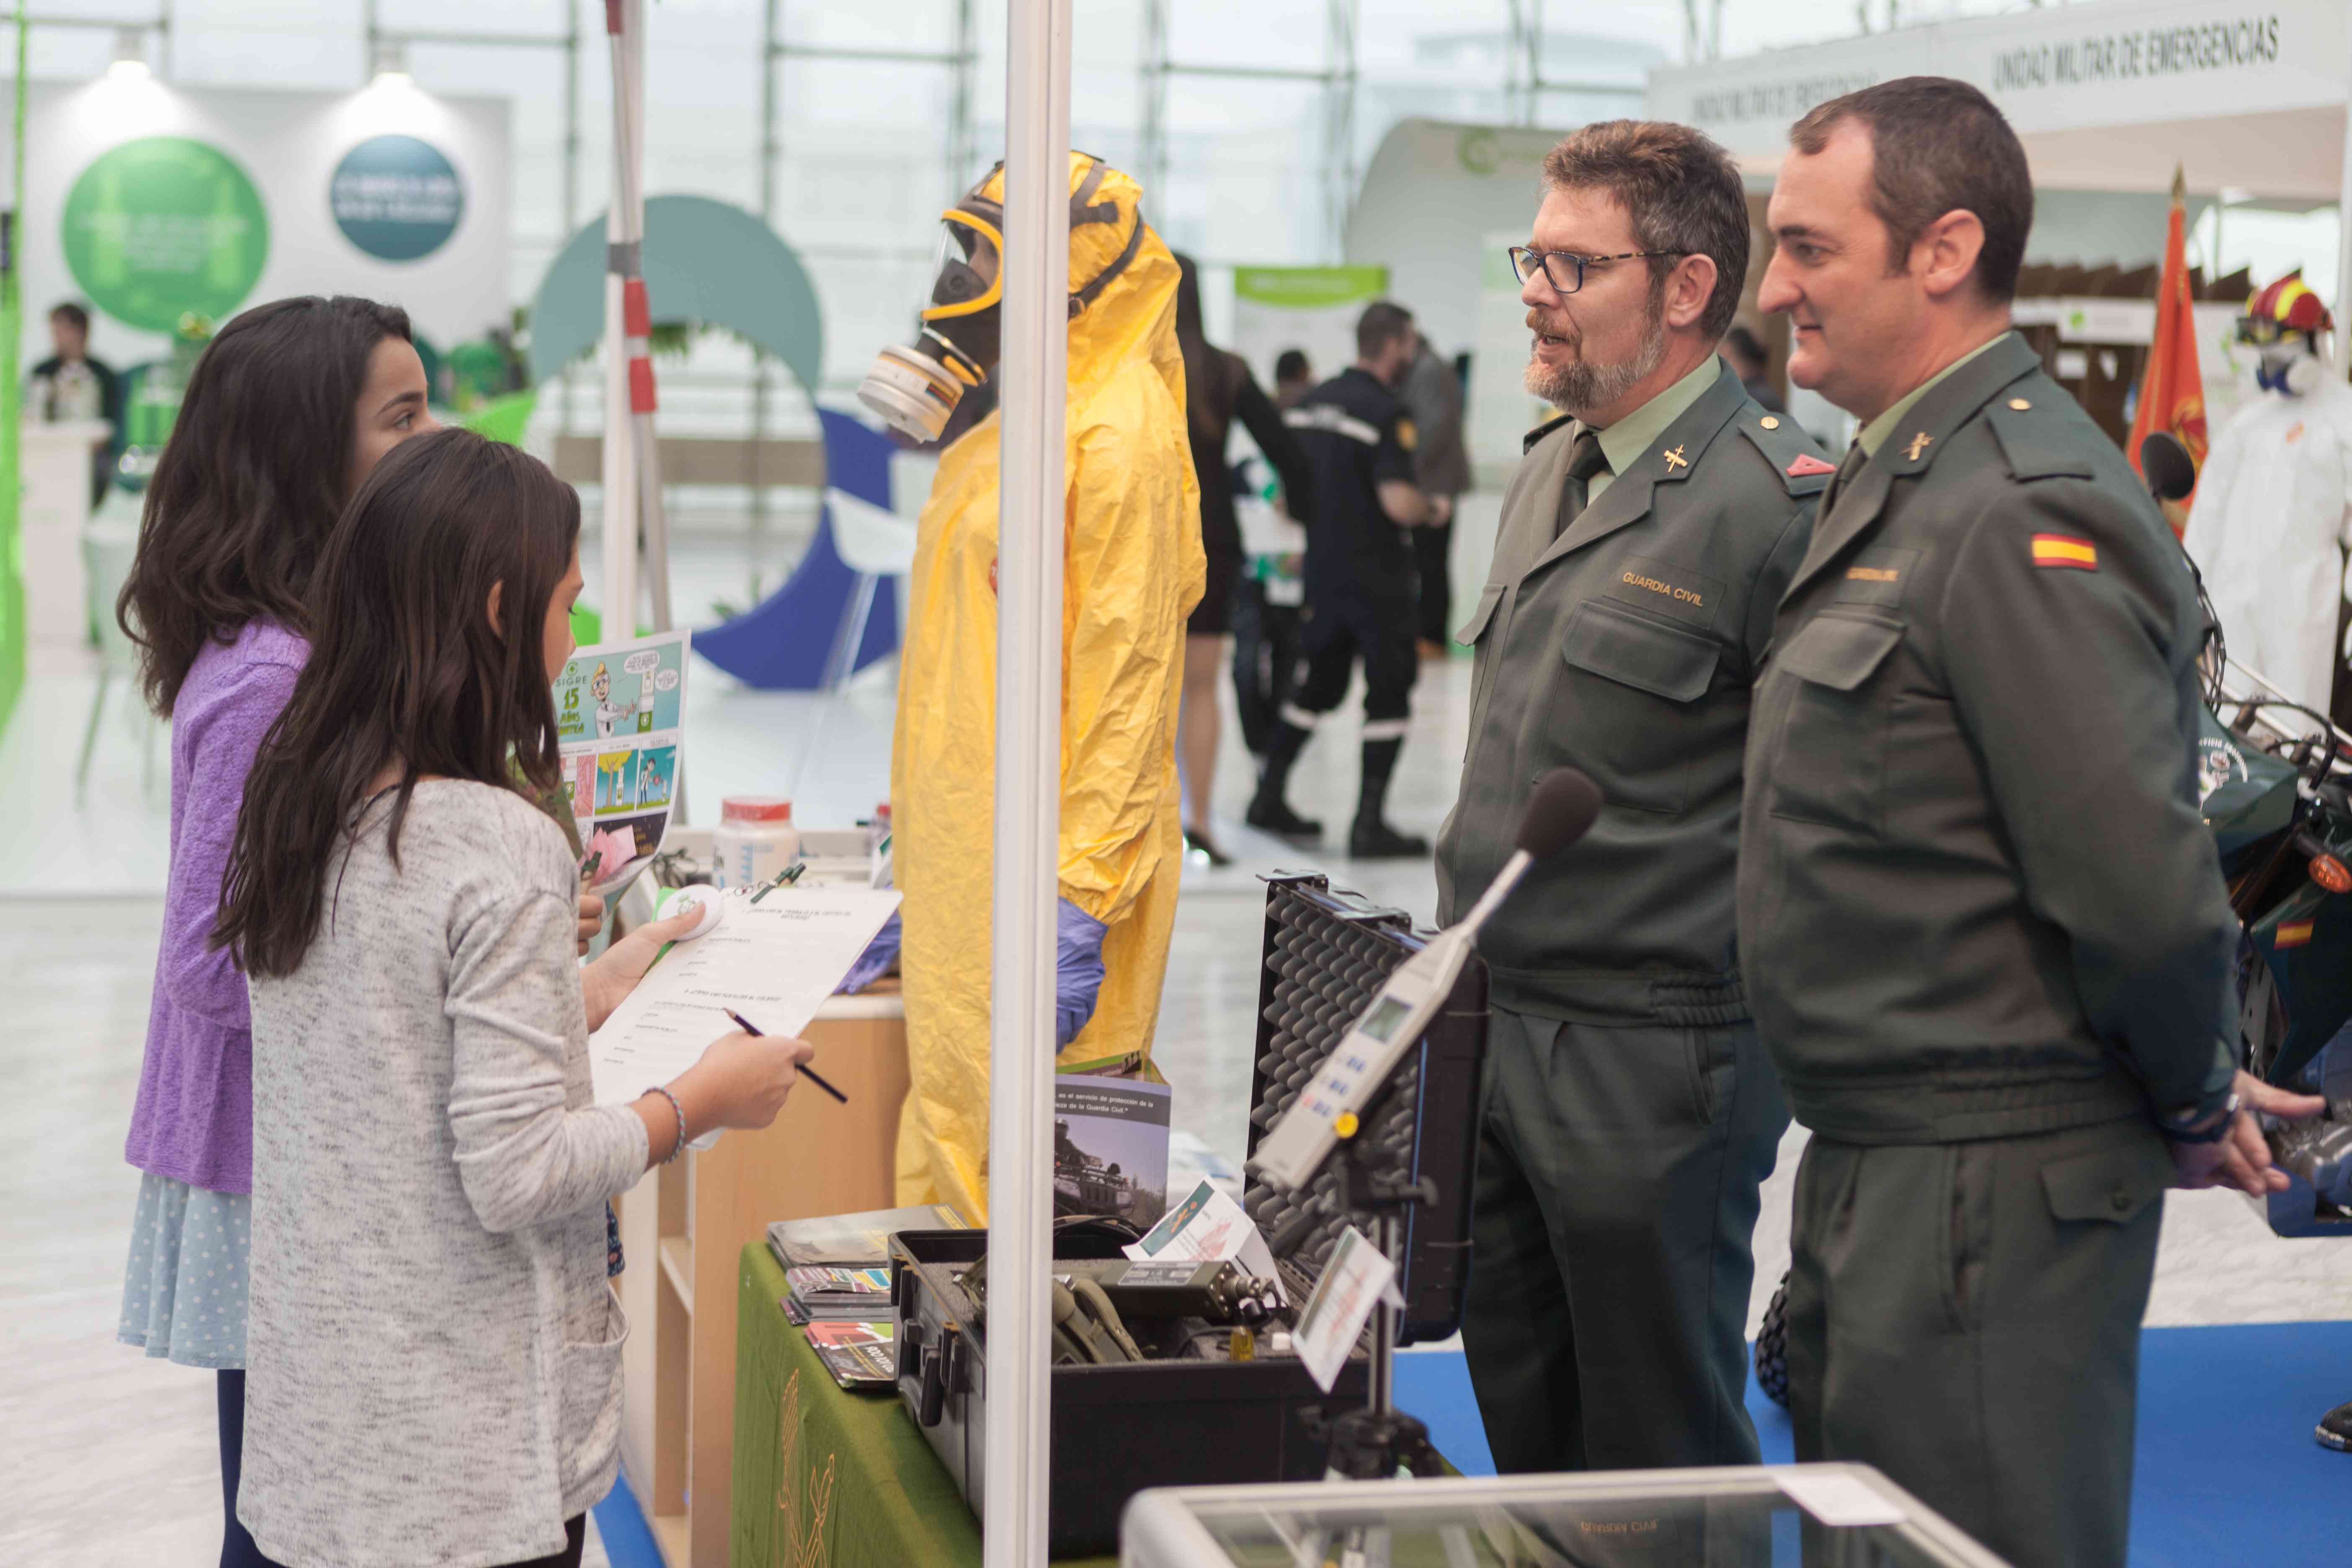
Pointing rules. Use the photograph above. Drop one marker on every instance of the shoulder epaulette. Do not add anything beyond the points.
(2038, 445)
(1542, 430)
(1787, 449)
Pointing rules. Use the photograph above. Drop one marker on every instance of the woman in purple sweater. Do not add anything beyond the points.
(290, 409)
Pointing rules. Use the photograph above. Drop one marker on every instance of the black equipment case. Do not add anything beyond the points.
(1118, 1430)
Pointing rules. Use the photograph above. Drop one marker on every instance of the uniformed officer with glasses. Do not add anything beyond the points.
(1630, 1114)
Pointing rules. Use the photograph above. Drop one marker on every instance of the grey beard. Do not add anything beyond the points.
(1580, 384)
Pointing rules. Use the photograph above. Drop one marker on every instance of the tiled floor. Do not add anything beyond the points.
(112, 1456)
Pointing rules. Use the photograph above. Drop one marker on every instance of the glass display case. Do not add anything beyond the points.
(1776, 1516)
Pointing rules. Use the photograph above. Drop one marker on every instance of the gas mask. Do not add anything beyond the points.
(2285, 321)
(2289, 367)
(916, 387)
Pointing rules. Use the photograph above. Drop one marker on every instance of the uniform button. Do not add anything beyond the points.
(1770, 423)
(2122, 1200)
(2019, 404)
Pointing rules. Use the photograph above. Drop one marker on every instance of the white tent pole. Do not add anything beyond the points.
(624, 24)
(1028, 774)
(2343, 312)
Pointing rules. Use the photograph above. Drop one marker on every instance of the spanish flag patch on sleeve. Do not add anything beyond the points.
(2294, 933)
(2065, 550)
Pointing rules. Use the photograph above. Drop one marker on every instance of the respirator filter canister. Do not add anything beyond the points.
(916, 388)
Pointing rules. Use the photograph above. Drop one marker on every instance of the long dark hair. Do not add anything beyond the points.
(1210, 386)
(250, 482)
(404, 668)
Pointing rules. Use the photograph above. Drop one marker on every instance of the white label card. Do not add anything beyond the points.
(1353, 1283)
(1835, 1498)
(1209, 1224)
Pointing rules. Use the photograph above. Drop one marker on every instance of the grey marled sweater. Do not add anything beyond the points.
(434, 1357)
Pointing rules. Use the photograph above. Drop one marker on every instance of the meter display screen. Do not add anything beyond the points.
(1383, 1020)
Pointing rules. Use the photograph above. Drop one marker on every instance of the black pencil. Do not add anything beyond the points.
(806, 1071)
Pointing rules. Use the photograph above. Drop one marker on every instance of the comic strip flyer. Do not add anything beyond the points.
(619, 720)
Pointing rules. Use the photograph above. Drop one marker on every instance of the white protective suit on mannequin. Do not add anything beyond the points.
(2269, 528)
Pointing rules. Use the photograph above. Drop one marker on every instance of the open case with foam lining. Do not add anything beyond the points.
(1119, 1429)
(1326, 954)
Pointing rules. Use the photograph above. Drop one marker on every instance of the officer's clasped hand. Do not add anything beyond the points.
(2242, 1160)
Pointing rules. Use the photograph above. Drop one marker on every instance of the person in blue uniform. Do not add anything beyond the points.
(1361, 584)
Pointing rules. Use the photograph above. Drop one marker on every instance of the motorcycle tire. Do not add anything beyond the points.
(1771, 1355)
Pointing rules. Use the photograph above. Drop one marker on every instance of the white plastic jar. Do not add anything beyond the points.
(754, 841)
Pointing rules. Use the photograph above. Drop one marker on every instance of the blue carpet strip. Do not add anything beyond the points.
(2227, 1470)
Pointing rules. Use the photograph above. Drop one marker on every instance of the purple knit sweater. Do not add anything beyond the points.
(194, 1120)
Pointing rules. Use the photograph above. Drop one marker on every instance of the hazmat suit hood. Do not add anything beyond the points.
(1133, 568)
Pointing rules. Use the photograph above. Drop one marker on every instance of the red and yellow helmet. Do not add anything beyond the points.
(2286, 306)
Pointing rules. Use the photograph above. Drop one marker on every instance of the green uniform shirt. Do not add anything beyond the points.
(1624, 443)
(1875, 434)
(1625, 644)
(1975, 895)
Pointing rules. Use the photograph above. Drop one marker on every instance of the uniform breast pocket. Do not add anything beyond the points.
(1620, 708)
(1829, 763)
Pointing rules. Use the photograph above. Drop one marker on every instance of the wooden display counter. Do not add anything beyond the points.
(684, 1229)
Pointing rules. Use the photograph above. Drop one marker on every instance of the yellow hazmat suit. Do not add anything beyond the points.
(1132, 570)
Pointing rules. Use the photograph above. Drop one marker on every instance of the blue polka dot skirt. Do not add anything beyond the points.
(184, 1292)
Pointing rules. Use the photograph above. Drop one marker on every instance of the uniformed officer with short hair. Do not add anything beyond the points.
(1984, 930)
(1359, 581)
(1629, 1112)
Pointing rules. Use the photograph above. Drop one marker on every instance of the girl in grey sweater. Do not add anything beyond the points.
(434, 1371)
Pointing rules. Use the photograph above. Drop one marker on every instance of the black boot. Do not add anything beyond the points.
(1372, 839)
(2335, 1430)
(1200, 843)
(1268, 812)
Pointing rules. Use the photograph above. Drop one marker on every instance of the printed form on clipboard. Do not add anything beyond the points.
(775, 962)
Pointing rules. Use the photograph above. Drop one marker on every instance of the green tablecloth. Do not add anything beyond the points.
(826, 1479)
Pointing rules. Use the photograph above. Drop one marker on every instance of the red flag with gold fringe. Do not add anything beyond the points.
(2171, 392)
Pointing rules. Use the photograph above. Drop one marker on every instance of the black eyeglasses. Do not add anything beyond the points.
(1525, 262)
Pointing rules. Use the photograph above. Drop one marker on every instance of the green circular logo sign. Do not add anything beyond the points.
(1480, 151)
(397, 198)
(162, 226)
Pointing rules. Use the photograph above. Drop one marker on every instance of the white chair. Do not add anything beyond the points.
(106, 557)
(877, 545)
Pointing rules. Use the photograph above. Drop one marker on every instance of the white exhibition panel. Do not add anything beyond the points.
(2252, 93)
(289, 145)
(1431, 195)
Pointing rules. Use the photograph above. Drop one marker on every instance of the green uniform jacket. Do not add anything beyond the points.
(1976, 898)
(1627, 646)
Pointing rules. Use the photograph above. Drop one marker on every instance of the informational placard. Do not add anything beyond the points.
(397, 197)
(620, 725)
(1312, 309)
(1110, 1147)
(2060, 68)
(1354, 1283)
(160, 226)
(1209, 1226)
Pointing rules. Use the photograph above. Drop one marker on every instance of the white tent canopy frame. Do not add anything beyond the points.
(2105, 97)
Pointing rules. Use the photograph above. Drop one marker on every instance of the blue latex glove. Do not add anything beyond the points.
(881, 955)
(1078, 969)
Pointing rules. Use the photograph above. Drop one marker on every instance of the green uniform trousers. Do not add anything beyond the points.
(1609, 1265)
(1966, 1317)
